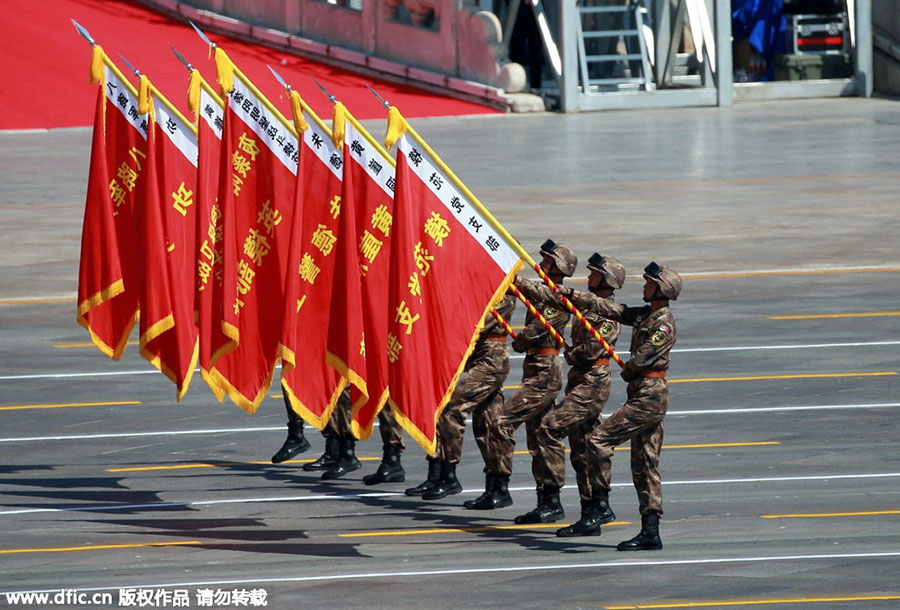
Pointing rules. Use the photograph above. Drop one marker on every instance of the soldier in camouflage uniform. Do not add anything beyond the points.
(479, 392)
(640, 419)
(541, 380)
(390, 470)
(586, 393)
(339, 457)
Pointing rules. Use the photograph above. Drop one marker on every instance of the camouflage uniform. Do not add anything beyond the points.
(480, 389)
(541, 383)
(479, 392)
(390, 430)
(640, 419)
(587, 391)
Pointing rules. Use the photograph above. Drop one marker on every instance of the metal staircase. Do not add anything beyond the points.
(599, 29)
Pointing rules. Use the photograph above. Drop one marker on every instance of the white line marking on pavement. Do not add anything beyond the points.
(389, 494)
(77, 437)
(741, 348)
(882, 405)
(624, 563)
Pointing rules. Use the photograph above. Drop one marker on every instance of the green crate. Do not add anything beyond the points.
(812, 67)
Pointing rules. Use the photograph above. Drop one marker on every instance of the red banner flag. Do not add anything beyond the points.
(313, 385)
(208, 296)
(258, 166)
(168, 259)
(368, 189)
(449, 263)
(108, 281)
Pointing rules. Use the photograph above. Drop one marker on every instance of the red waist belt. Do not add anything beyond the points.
(543, 351)
(601, 362)
(657, 374)
(495, 337)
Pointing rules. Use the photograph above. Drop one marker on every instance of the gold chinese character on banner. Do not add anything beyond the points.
(134, 153)
(117, 194)
(182, 199)
(422, 259)
(369, 246)
(405, 316)
(335, 206)
(437, 228)
(127, 175)
(382, 219)
(393, 348)
(415, 288)
(240, 164)
(268, 217)
(323, 239)
(245, 277)
(256, 246)
(249, 146)
(308, 268)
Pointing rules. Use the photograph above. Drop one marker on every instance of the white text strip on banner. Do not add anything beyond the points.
(182, 136)
(265, 124)
(120, 95)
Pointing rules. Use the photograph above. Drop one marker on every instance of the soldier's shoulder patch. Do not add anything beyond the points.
(606, 329)
(659, 337)
(549, 312)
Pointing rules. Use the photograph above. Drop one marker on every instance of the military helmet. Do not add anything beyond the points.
(668, 280)
(612, 270)
(565, 258)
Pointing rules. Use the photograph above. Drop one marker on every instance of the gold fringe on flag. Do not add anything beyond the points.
(338, 125)
(396, 127)
(97, 64)
(194, 92)
(297, 111)
(224, 71)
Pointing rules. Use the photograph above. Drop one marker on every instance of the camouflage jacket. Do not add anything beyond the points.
(535, 334)
(653, 336)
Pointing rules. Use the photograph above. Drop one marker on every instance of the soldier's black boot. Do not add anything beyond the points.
(329, 457)
(490, 480)
(434, 475)
(346, 461)
(447, 485)
(598, 514)
(648, 539)
(569, 530)
(294, 443)
(548, 509)
(390, 470)
(496, 494)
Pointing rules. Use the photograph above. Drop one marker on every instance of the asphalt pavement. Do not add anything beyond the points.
(781, 460)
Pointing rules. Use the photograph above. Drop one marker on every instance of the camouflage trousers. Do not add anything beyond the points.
(639, 420)
(479, 392)
(576, 417)
(339, 422)
(390, 430)
(541, 382)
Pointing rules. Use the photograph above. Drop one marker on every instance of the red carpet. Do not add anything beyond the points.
(44, 66)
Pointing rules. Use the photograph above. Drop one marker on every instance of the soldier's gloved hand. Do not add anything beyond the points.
(565, 291)
(518, 345)
(569, 358)
(629, 374)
